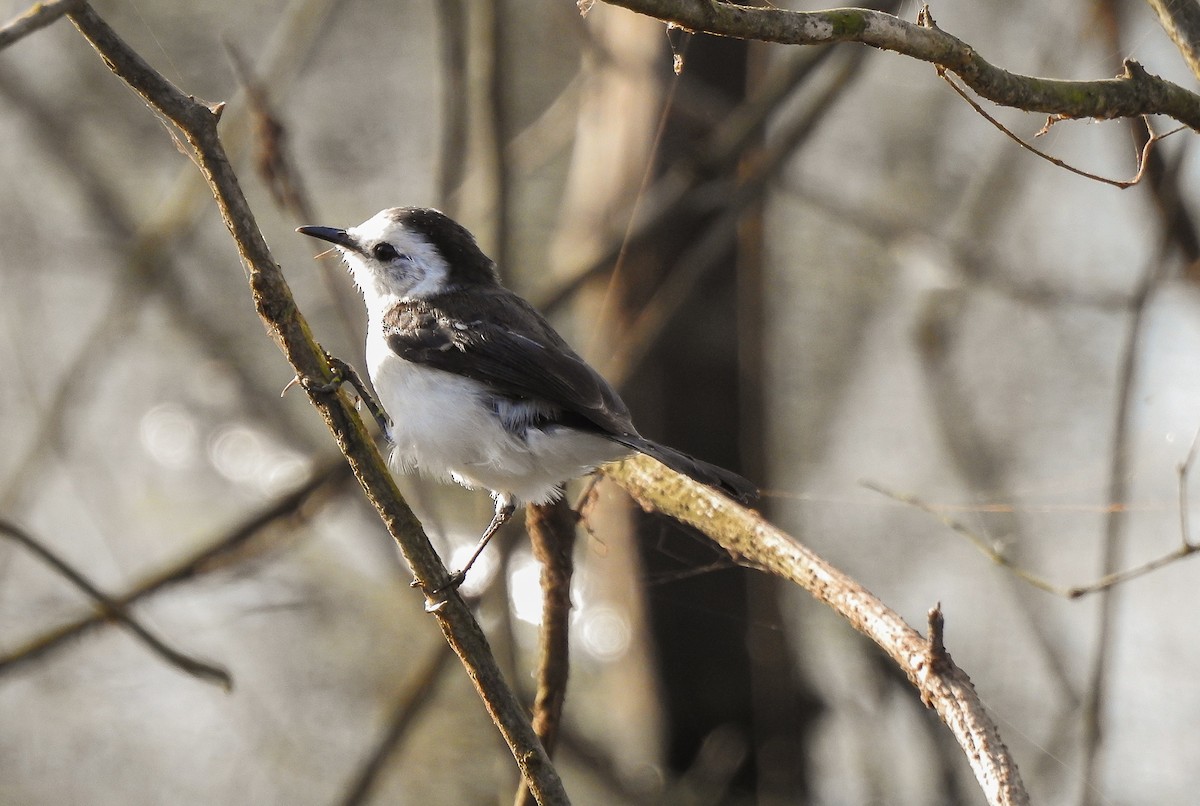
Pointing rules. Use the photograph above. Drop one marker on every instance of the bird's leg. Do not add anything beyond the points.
(344, 373)
(505, 507)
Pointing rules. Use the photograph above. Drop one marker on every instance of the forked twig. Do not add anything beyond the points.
(1186, 548)
(983, 544)
(114, 610)
(228, 547)
(1118, 183)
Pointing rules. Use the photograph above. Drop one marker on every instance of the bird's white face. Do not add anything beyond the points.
(391, 262)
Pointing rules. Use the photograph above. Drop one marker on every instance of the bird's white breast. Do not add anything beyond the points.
(443, 426)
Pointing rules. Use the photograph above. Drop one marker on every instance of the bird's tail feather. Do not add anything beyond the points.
(724, 480)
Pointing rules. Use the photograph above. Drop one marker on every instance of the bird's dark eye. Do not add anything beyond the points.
(384, 251)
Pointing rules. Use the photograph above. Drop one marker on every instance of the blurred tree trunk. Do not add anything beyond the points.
(723, 669)
(733, 716)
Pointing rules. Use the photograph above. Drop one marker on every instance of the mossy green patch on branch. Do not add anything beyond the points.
(846, 22)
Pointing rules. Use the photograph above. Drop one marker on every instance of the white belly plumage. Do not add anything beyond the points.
(443, 426)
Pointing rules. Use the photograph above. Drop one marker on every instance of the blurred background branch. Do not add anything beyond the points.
(111, 610)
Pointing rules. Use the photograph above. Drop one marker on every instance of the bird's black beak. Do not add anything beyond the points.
(338, 237)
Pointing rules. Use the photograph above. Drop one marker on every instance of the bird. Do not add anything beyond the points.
(479, 388)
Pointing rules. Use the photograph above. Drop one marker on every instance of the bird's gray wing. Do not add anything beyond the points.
(514, 353)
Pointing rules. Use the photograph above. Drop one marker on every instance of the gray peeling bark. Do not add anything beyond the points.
(1134, 93)
(753, 541)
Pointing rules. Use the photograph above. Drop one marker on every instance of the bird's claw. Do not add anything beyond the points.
(452, 582)
(343, 373)
(455, 580)
(437, 597)
(333, 385)
(315, 386)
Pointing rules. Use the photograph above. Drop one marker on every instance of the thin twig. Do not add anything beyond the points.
(1115, 524)
(1143, 157)
(416, 696)
(706, 253)
(113, 610)
(37, 17)
(988, 549)
(149, 268)
(1181, 21)
(278, 171)
(1118, 577)
(212, 556)
(985, 546)
(1184, 471)
(1177, 227)
(978, 460)
(552, 534)
(972, 267)
(688, 185)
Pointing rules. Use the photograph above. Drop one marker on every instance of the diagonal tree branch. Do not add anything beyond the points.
(749, 538)
(1134, 93)
(412, 702)
(274, 302)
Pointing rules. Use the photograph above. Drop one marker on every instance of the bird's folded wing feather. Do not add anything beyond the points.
(522, 357)
(516, 353)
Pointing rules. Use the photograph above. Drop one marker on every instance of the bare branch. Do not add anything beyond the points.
(1041, 583)
(551, 530)
(115, 611)
(1186, 549)
(37, 17)
(751, 539)
(689, 184)
(212, 556)
(278, 170)
(760, 174)
(1116, 523)
(409, 705)
(1134, 93)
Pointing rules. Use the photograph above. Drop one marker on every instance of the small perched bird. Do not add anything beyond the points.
(480, 388)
